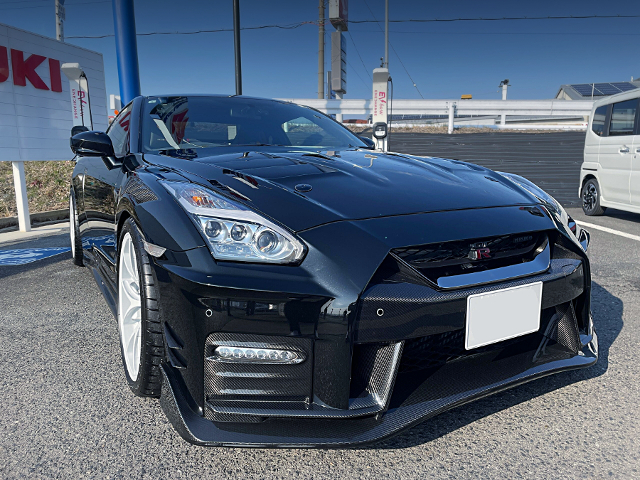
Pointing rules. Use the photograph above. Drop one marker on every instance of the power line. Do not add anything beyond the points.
(195, 32)
(507, 33)
(358, 52)
(25, 1)
(48, 4)
(394, 50)
(356, 72)
(496, 19)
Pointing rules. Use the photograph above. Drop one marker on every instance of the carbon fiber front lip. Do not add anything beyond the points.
(417, 406)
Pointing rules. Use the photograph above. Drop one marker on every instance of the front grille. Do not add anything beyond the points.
(557, 326)
(472, 255)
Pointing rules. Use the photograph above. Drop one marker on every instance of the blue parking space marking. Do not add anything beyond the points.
(28, 255)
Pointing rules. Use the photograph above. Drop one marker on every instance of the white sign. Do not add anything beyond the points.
(36, 109)
(380, 86)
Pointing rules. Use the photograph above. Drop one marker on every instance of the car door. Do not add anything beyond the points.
(615, 153)
(101, 179)
(593, 136)
(634, 181)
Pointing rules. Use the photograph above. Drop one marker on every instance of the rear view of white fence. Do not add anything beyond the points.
(452, 108)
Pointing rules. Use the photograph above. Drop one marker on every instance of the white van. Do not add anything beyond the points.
(610, 173)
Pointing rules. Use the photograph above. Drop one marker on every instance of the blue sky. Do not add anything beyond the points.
(444, 59)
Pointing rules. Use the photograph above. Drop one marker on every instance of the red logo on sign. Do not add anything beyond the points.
(24, 70)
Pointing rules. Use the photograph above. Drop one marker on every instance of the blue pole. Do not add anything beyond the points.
(126, 50)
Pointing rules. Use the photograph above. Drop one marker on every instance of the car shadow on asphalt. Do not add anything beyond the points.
(607, 313)
(618, 214)
(10, 270)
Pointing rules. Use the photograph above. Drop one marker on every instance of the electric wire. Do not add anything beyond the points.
(48, 4)
(394, 50)
(368, 85)
(195, 32)
(358, 52)
(498, 19)
(311, 22)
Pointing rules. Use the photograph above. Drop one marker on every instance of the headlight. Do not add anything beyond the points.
(550, 202)
(232, 231)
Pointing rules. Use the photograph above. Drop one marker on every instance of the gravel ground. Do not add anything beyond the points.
(68, 413)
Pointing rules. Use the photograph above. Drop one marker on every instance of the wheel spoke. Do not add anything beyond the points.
(134, 332)
(131, 290)
(129, 306)
(132, 316)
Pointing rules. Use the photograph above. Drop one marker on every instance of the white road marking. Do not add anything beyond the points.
(609, 230)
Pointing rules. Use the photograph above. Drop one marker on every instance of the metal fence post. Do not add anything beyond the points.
(452, 109)
(22, 203)
(339, 115)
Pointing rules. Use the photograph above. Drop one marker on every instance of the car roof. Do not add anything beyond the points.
(213, 95)
(618, 97)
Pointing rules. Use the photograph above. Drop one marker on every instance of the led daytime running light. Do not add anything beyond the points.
(233, 354)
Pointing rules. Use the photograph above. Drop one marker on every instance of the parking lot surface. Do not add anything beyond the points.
(66, 410)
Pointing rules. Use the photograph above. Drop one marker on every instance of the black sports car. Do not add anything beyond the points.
(277, 282)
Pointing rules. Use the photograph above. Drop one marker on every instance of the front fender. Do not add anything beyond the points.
(160, 218)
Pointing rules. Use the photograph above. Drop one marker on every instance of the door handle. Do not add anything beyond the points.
(624, 150)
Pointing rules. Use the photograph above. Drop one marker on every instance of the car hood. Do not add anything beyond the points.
(303, 189)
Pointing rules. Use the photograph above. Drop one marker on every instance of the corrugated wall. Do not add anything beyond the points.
(550, 160)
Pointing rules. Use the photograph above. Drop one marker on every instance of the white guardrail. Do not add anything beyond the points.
(565, 108)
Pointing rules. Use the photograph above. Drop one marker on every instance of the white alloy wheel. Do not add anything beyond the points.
(72, 226)
(129, 306)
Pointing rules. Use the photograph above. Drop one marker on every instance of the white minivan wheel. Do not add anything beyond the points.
(591, 198)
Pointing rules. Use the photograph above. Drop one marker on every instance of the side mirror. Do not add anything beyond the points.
(370, 143)
(78, 129)
(92, 144)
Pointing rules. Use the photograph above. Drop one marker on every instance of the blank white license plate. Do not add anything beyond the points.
(502, 314)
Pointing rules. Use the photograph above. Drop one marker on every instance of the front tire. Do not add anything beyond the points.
(74, 231)
(141, 342)
(591, 199)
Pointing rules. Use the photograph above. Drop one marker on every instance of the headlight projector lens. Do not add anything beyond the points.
(238, 232)
(267, 241)
(213, 228)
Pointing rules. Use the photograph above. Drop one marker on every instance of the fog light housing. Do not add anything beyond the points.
(236, 354)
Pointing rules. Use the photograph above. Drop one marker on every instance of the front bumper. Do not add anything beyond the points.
(452, 385)
(366, 377)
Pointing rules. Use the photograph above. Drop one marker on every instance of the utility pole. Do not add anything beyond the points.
(236, 45)
(321, 49)
(59, 19)
(386, 34)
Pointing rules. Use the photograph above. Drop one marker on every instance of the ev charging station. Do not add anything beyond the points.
(379, 104)
(79, 94)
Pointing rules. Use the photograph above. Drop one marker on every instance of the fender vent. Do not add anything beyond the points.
(139, 191)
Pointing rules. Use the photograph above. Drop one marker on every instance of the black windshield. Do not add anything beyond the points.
(189, 123)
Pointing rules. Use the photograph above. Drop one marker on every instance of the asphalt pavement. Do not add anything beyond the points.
(66, 410)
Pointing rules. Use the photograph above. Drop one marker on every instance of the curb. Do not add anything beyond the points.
(37, 218)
